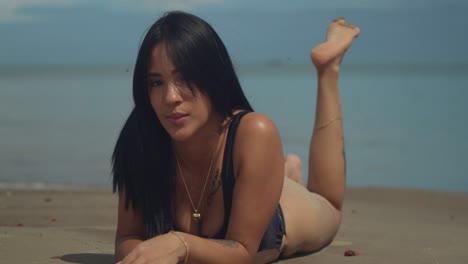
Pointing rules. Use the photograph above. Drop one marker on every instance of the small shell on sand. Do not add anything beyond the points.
(350, 253)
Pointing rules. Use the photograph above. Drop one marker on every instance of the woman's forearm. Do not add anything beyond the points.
(200, 250)
(207, 251)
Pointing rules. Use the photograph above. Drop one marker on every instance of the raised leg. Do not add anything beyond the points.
(313, 213)
(326, 154)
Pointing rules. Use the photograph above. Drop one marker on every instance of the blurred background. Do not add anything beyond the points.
(66, 69)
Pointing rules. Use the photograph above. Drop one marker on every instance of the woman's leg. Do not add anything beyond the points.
(313, 215)
(327, 163)
(293, 168)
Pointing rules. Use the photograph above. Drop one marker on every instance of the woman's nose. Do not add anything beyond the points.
(173, 95)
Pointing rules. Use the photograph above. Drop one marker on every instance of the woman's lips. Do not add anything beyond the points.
(177, 118)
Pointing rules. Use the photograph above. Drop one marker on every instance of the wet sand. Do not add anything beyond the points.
(384, 225)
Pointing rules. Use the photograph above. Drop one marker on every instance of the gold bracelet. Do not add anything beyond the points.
(328, 123)
(183, 242)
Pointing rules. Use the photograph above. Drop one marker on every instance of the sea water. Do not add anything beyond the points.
(405, 125)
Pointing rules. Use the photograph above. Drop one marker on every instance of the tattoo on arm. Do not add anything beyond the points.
(226, 243)
(214, 187)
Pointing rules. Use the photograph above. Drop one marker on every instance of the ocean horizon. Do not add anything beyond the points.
(405, 124)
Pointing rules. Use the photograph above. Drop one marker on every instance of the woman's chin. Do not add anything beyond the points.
(180, 135)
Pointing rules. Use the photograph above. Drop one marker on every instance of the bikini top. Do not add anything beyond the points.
(227, 173)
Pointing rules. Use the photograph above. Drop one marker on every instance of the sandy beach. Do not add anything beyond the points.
(383, 225)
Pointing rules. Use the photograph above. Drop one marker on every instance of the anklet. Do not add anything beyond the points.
(327, 123)
(183, 242)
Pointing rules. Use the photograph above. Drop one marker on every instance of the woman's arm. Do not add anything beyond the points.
(212, 251)
(173, 248)
(259, 170)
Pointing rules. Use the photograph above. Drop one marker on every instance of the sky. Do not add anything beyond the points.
(109, 31)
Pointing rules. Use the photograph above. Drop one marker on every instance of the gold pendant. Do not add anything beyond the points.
(196, 216)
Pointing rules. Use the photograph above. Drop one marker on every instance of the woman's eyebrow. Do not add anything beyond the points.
(157, 74)
(154, 74)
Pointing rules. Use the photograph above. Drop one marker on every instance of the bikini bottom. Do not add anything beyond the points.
(273, 237)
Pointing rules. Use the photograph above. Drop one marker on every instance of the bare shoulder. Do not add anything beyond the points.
(256, 124)
(257, 136)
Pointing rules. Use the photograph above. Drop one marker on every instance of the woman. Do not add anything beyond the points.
(201, 177)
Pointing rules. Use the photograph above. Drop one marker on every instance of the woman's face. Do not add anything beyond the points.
(181, 112)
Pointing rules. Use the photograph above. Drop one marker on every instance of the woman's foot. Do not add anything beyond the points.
(293, 168)
(340, 36)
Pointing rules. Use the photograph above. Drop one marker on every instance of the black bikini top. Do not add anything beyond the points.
(227, 173)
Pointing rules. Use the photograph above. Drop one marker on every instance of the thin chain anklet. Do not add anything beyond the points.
(327, 123)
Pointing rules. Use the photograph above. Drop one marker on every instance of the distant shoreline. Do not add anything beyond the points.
(103, 187)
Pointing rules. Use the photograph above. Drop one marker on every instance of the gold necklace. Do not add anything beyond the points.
(196, 215)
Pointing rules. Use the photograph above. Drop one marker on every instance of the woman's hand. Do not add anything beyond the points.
(163, 249)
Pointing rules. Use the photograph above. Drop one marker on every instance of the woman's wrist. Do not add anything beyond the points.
(183, 250)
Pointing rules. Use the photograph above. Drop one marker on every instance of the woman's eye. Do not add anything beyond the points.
(155, 83)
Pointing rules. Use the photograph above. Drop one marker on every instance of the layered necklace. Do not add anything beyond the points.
(196, 215)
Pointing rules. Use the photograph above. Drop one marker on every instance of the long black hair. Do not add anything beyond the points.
(141, 162)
